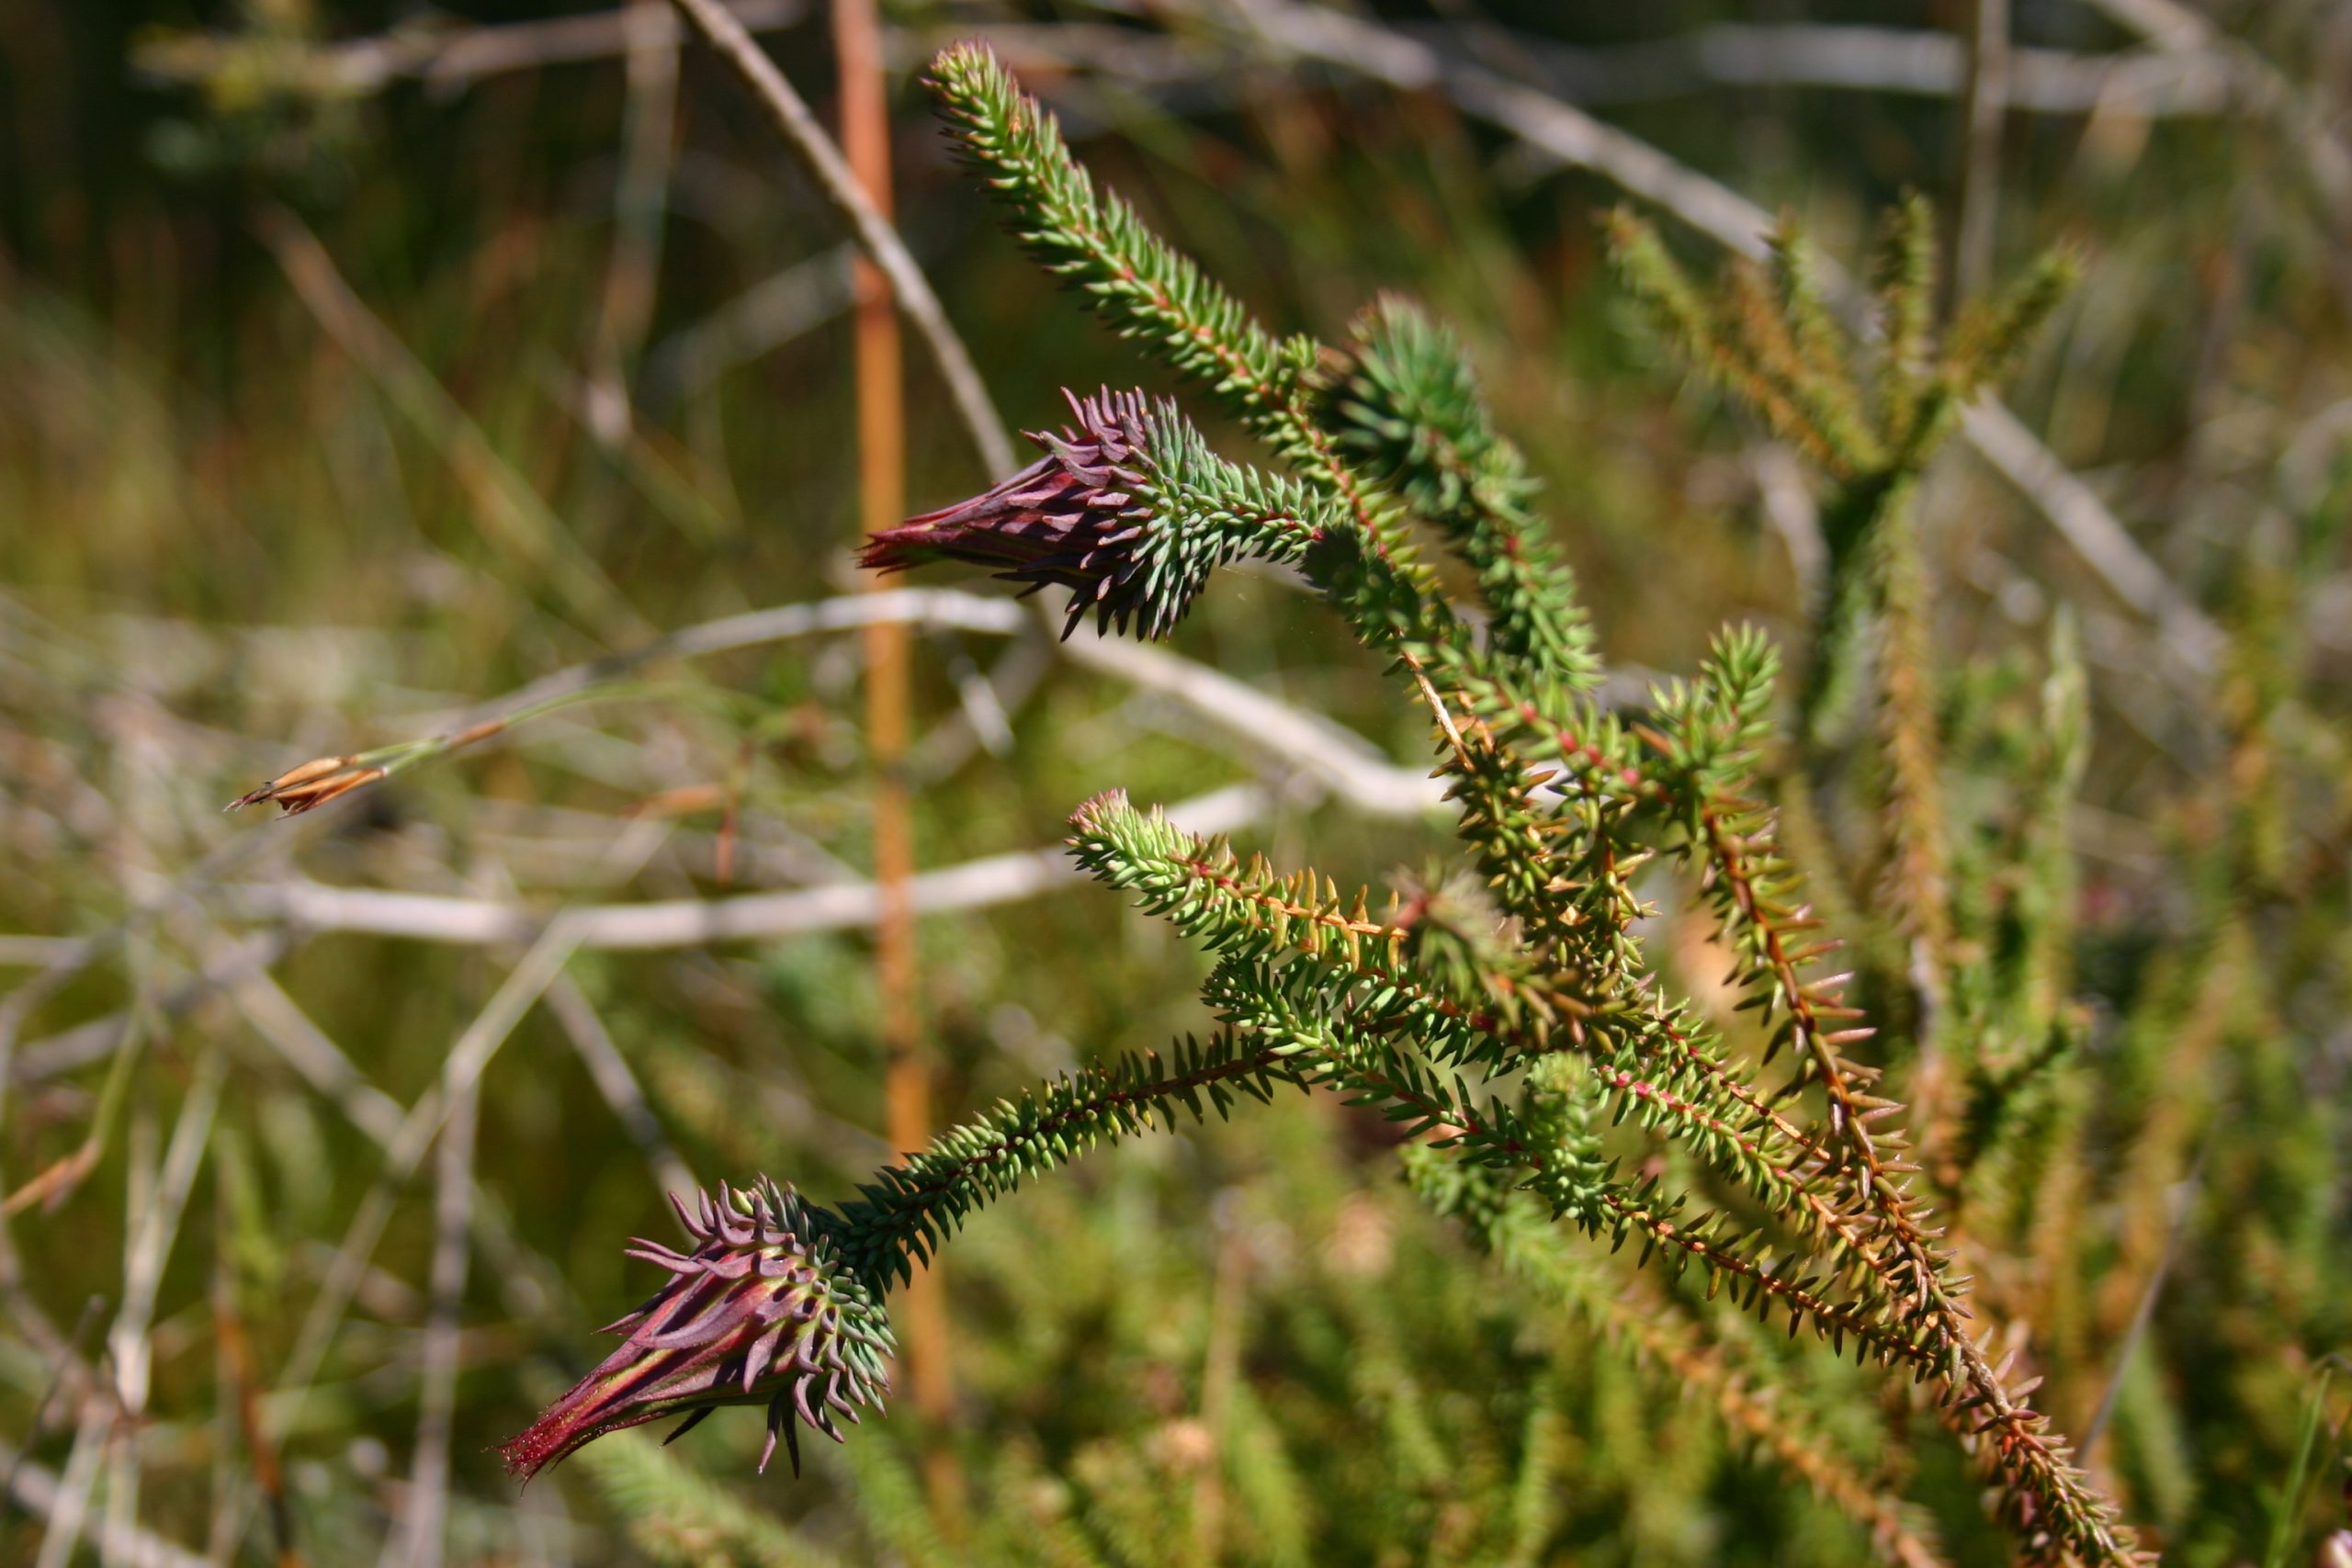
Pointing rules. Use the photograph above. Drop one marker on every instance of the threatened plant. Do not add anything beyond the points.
(1535, 1055)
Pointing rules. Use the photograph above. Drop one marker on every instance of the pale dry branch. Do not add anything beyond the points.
(1297, 739)
(1789, 506)
(86, 1042)
(693, 922)
(69, 1506)
(447, 56)
(320, 1062)
(2083, 520)
(428, 1501)
(149, 1241)
(37, 951)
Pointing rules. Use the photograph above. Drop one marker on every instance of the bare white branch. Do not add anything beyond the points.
(695, 922)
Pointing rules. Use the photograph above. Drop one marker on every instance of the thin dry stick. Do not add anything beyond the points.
(123, 1460)
(921, 607)
(1980, 184)
(151, 1241)
(795, 299)
(306, 1048)
(460, 1071)
(2083, 520)
(437, 1409)
(986, 702)
(65, 1367)
(324, 780)
(2193, 76)
(1336, 758)
(43, 1494)
(824, 166)
(56, 1182)
(323, 1063)
(69, 1500)
(146, 1246)
(63, 1052)
(1788, 505)
(35, 952)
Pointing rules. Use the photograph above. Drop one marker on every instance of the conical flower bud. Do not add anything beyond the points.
(1082, 516)
(761, 1310)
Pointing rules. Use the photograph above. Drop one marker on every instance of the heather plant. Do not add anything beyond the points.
(1543, 1073)
(1598, 1169)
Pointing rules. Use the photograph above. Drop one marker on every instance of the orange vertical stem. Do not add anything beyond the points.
(881, 448)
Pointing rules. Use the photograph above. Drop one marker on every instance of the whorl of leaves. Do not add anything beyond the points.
(1406, 407)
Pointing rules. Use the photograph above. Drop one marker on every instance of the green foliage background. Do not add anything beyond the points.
(229, 542)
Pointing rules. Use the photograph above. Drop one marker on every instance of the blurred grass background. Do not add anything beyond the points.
(332, 406)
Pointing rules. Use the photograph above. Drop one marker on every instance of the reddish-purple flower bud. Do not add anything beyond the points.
(759, 1312)
(1081, 516)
